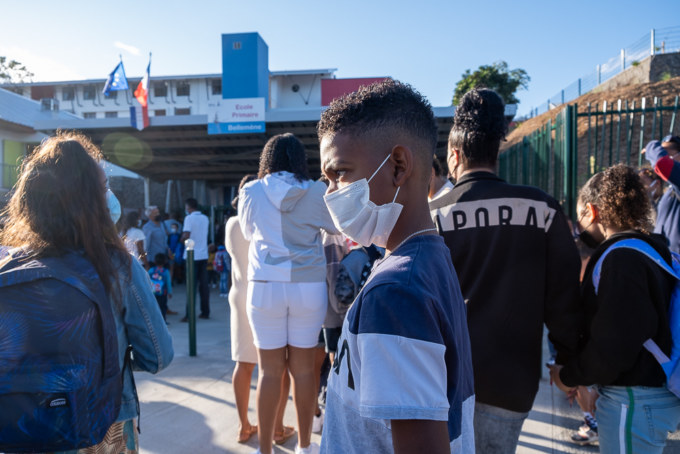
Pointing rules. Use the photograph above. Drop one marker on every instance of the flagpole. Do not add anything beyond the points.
(149, 101)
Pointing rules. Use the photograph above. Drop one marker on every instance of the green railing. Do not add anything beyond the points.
(563, 153)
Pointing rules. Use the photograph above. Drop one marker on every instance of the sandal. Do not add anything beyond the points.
(281, 437)
(244, 435)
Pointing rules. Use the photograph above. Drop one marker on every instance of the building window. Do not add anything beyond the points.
(67, 94)
(217, 87)
(112, 95)
(183, 111)
(110, 114)
(90, 114)
(237, 45)
(183, 89)
(160, 90)
(89, 92)
(159, 113)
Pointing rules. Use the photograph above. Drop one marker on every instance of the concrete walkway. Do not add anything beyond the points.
(189, 407)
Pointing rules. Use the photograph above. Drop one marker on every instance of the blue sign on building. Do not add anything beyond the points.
(245, 86)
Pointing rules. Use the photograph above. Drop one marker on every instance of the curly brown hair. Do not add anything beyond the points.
(59, 205)
(620, 197)
(284, 152)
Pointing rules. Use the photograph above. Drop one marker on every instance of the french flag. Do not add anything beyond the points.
(139, 115)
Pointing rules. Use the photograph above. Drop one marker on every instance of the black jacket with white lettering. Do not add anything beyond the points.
(518, 268)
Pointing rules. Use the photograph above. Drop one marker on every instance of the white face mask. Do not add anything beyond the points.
(360, 219)
(113, 204)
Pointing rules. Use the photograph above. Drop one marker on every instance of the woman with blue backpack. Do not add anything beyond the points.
(77, 313)
(626, 295)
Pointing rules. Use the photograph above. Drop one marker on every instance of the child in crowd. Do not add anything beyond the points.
(626, 294)
(212, 273)
(161, 283)
(222, 264)
(174, 244)
(402, 379)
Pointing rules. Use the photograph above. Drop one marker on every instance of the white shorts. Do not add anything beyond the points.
(286, 313)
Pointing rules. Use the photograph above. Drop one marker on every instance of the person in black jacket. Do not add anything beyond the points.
(518, 269)
(630, 305)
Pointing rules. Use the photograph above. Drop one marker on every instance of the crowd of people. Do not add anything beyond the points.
(158, 243)
(407, 295)
(517, 268)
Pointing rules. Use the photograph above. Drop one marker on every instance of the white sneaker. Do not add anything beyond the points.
(313, 448)
(317, 423)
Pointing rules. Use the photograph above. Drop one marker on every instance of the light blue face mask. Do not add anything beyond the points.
(114, 205)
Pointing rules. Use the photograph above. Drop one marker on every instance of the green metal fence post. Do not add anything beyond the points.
(570, 160)
(611, 135)
(660, 118)
(675, 111)
(604, 128)
(550, 168)
(642, 132)
(656, 106)
(597, 128)
(191, 295)
(618, 133)
(629, 138)
(525, 161)
(589, 151)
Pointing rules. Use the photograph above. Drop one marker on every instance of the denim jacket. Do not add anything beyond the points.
(140, 325)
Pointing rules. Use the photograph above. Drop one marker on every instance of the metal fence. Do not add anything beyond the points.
(657, 41)
(563, 153)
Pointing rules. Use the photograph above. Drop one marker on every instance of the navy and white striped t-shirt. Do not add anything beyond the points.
(404, 353)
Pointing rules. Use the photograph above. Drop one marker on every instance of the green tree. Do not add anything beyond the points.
(497, 77)
(13, 72)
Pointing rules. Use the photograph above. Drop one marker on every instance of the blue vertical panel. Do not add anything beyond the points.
(245, 66)
(245, 86)
(263, 71)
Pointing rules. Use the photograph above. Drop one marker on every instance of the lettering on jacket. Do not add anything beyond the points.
(494, 213)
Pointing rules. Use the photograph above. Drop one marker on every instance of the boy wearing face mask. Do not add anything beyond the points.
(402, 377)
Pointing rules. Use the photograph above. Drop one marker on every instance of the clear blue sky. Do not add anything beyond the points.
(426, 43)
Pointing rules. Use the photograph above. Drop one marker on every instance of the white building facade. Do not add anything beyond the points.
(172, 95)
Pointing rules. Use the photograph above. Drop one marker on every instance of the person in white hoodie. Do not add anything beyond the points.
(282, 214)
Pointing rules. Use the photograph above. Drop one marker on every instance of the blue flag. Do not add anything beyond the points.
(116, 80)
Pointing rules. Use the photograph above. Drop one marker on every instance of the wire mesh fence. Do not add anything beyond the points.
(656, 41)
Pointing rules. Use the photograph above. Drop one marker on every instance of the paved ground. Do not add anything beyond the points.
(189, 407)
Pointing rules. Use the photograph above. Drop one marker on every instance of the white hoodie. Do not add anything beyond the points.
(282, 218)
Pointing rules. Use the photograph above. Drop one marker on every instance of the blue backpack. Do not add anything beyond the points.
(157, 282)
(60, 379)
(671, 366)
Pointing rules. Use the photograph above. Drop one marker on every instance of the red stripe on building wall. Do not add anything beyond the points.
(334, 88)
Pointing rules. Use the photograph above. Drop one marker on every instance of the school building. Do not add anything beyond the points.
(205, 131)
